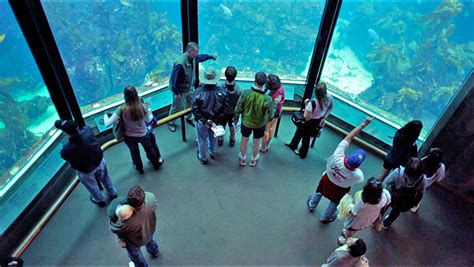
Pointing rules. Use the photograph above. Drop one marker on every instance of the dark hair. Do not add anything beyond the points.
(358, 248)
(372, 191)
(409, 133)
(133, 105)
(230, 73)
(273, 82)
(260, 78)
(413, 169)
(136, 196)
(432, 162)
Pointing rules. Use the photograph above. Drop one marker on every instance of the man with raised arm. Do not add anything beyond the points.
(182, 80)
(341, 173)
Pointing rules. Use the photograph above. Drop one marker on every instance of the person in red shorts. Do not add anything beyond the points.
(341, 173)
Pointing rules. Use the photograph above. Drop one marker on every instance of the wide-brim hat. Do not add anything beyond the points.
(209, 76)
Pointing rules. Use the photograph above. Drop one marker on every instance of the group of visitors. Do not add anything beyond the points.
(133, 219)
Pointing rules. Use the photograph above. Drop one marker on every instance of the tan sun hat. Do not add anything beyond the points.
(209, 76)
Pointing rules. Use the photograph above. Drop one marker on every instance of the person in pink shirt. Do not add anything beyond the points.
(277, 92)
(341, 173)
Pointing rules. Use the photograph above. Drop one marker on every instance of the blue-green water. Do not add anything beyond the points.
(401, 60)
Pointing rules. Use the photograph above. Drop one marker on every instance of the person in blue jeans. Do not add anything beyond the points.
(138, 230)
(209, 105)
(84, 154)
(134, 116)
(341, 173)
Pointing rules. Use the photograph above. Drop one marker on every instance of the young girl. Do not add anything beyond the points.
(366, 209)
(134, 115)
(277, 92)
(349, 255)
(433, 168)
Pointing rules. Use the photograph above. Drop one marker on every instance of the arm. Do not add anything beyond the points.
(148, 115)
(108, 121)
(239, 107)
(271, 108)
(175, 74)
(328, 112)
(357, 130)
(205, 57)
(307, 114)
(197, 107)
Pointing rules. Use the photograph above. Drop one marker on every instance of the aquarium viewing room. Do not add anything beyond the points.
(316, 133)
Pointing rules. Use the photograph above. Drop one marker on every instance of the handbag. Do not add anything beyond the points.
(118, 129)
(298, 117)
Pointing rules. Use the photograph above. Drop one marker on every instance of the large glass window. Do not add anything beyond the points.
(401, 60)
(272, 36)
(26, 117)
(107, 45)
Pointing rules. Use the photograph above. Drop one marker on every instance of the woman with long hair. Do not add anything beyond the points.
(403, 147)
(133, 115)
(315, 113)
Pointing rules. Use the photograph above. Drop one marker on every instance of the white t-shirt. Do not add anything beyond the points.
(365, 213)
(337, 171)
(438, 176)
(318, 112)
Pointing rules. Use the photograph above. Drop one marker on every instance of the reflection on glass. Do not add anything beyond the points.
(272, 36)
(401, 60)
(107, 45)
(26, 111)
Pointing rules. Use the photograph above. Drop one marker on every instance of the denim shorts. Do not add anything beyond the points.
(257, 132)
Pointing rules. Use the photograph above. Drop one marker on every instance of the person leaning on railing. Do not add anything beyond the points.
(134, 115)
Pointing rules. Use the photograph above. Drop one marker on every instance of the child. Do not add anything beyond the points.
(277, 92)
(433, 168)
(366, 209)
(406, 186)
(233, 93)
(350, 254)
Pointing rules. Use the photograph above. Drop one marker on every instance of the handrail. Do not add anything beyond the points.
(70, 188)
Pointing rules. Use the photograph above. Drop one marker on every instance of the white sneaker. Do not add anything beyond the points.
(242, 160)
(253, 161)
(131, 264)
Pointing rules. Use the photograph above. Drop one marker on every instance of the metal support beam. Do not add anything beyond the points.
(321, 47)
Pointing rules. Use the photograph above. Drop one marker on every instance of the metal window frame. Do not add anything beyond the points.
(321, 46)
(37, 32)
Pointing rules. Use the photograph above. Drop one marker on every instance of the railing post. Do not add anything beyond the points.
(183, 128)
(277, 127)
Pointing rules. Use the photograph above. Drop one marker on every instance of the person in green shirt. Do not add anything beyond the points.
(257, 109)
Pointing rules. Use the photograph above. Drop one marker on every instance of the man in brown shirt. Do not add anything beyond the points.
(139, 229)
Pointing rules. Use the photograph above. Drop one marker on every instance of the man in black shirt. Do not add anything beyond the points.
(84, 154)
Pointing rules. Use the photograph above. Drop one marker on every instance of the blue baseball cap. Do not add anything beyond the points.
(354, 160)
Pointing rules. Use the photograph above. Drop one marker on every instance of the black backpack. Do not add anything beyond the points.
(405, 198)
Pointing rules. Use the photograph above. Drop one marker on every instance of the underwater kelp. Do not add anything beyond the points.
(414, 48)
(106, 46)
(276, 37)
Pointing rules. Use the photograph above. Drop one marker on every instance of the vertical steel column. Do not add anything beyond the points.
(184, 23)
(193, 32)
(34, 25)
(321, 47)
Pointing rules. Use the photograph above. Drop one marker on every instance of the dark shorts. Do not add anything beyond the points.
(227, 120)
(388, 165)
(257, 132)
